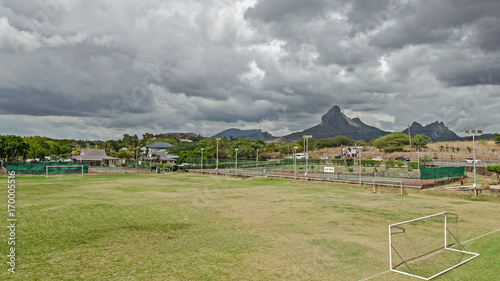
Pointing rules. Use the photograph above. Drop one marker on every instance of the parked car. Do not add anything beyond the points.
(325, 157)
(470, 160)
(338, 156)
(378, 158)
(289, 157)
(402, 158)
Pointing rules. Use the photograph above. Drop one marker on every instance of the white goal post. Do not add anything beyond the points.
(393, 187)
(427, 247)
(71, 169)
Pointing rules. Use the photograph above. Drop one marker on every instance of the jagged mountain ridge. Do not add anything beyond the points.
(335, 123)
(437, 131)
(248, 134)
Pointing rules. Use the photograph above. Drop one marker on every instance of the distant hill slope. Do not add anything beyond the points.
(335, 123)
(249, 134)
(437, 131)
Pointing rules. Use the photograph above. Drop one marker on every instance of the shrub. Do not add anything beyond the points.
(391, 142)
(390, 163)
(495, 169)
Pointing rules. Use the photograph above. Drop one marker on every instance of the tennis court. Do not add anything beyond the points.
(364, 178)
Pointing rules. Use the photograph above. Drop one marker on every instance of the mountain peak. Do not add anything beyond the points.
(437, 131)
(335, 123)
(333, 116)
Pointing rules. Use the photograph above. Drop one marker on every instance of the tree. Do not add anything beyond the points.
(135, 146)
(13, 147)
(425, 160)
(333, 142)
(391, 142)
(495, 169)
(124, 154)
(39, 147)
(420, 141)
(497, 138)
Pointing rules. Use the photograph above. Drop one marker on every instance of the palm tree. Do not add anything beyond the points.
(135, 146)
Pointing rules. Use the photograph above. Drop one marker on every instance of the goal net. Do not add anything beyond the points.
(64, 170)
(394, 187)
(427, 247)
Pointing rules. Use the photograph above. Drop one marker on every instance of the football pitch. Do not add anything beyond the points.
(189, 226)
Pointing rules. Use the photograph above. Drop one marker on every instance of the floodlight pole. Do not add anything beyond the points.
(418, 162)
(236, 162)
(473, 133)
(294, 162)
(217, 161)
(201, 168)
(257, 160)
(359, 148)
(307, 137)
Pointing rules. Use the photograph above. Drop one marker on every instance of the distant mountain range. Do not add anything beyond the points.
(335, 123)
(249, 134)
(437, 131)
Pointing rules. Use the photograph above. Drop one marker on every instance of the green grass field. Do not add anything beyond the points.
(198, 227)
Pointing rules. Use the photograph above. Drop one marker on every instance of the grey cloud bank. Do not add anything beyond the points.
(99, 69)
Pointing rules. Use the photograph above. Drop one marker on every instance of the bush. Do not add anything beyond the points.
(333, 142)
(391, 142)
(495, 169)
(412, 165)
(390, 163)
(370, 163)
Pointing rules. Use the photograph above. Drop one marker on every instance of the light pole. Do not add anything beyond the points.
(201, 169)
(418, 162)
(217, 163)
(306, 138)
(473, 133)
(236, 162)
(294, 162)
(257, 160)
(359, 148)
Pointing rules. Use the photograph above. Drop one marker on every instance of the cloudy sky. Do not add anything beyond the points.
(92, 69)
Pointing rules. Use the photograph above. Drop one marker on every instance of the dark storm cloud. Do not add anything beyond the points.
(281, 11)
(115, 67)
(427, 22)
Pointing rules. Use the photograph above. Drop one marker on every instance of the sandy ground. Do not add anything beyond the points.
(457, 150)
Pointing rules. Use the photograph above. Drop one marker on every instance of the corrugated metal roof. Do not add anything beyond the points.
(93, 155)
(158, 145)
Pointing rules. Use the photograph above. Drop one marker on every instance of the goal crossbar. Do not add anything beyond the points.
(391, 184)
(62, 166)
(401, 230)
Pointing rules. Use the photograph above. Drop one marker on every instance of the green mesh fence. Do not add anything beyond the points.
(39, 168)
(439, 173)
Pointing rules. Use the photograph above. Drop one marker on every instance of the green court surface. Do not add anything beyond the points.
(331, 176)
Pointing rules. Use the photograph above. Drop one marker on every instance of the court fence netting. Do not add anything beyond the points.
(40, 168)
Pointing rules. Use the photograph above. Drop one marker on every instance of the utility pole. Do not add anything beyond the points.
(409, 135)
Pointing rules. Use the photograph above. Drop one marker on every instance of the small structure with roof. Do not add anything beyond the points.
(161, 157)
(96, 157)
(155, 147)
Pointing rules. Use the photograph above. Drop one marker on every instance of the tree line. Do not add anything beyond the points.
(188, 146)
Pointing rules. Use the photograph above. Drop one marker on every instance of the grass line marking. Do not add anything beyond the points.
(470, 240)
(373, 276)
(481, 236)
